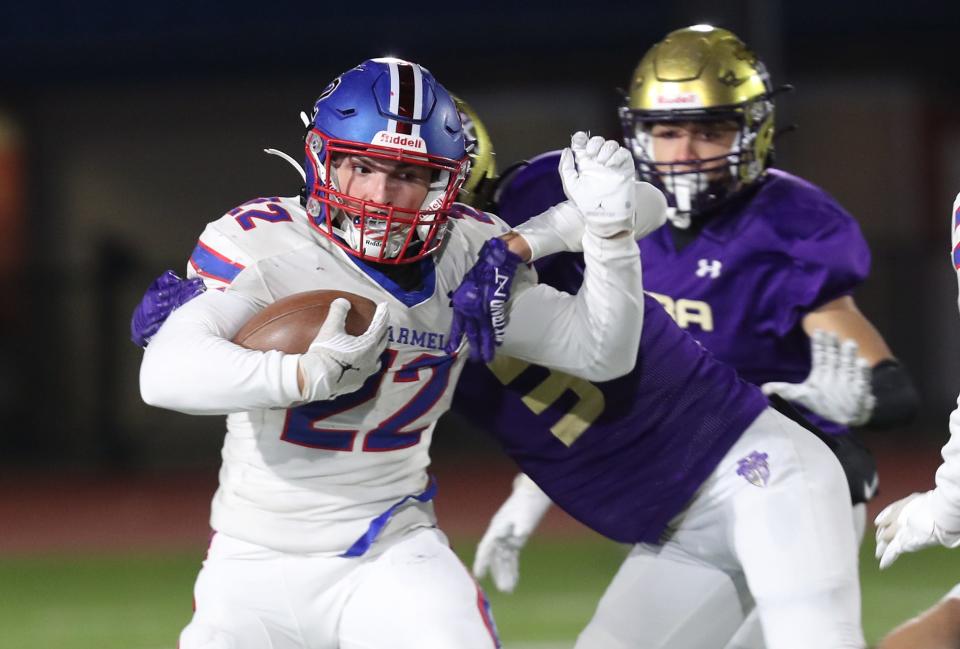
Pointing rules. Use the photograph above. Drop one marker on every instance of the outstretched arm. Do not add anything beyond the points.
(596, 333)
(933, 517)
(499, 550)
(945, 499)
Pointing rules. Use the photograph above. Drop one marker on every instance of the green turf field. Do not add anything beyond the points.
(141, 602)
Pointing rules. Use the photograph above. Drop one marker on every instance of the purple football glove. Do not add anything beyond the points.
(479, 302)
(165, 294)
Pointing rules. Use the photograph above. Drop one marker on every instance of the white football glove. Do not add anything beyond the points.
(499, 549)
(337, 363)
(598, 176)
(560, 228)
(838, 387)
(907, 526)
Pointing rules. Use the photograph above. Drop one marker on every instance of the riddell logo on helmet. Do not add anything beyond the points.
(399, 141)
(674, 100)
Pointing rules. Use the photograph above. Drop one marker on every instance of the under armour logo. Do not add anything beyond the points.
(344, 368)
(709, 267)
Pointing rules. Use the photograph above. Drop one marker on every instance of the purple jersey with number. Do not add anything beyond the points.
(623, 456)
(743, 285)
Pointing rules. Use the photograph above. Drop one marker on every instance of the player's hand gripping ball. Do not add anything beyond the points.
(340, 338)
(291, 324)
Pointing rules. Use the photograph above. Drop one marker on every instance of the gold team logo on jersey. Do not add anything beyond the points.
(686, 312)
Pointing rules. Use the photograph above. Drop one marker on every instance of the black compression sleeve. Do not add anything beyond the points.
(897, 397)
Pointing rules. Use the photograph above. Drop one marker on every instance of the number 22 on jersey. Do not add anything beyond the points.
(305, 424)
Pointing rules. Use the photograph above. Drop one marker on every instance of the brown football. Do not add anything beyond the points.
(290, 324)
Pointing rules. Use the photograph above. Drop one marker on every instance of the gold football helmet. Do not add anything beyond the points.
(700, 74)
(479, 184)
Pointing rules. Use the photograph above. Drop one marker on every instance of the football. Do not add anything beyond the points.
(290, 324)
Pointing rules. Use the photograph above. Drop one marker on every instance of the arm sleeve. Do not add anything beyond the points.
(897, 398)
(594, 334)
(192, 367)
(946, 495)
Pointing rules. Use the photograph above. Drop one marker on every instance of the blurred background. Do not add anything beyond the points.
(125, 128)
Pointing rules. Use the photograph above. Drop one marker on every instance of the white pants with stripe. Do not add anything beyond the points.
(416, 594)
(786, 547)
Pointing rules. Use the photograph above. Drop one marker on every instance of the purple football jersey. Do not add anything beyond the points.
(529, 188)
(624, 456)
(743, 285)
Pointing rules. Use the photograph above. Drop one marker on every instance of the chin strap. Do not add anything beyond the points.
(679, 220)
(296, 165)
(679, 215)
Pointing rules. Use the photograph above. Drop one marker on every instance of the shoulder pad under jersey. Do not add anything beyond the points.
(246, 234)
(475, 226)
(799, 210)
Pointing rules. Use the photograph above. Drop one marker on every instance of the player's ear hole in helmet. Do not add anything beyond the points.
(395, 118)
(699, 119)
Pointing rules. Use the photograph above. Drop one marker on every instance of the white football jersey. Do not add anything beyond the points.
(313, 478)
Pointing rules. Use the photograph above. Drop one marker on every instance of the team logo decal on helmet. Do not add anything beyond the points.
(700, 74)
(393, 111)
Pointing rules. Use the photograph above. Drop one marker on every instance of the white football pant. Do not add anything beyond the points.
(749, 635)
(787, 546)
(414, 595)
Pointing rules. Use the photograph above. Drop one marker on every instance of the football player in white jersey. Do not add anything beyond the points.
(923, 520)
(325, 536)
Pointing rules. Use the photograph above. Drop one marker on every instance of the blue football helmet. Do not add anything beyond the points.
(392, 110)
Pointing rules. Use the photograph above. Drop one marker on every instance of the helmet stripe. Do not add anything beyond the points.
(406, 97)
(417, 99)
(394, 95)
